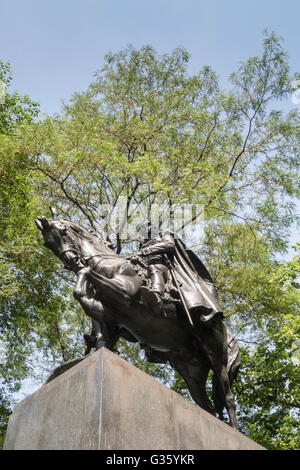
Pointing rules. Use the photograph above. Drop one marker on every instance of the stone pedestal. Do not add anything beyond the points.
(105, 403)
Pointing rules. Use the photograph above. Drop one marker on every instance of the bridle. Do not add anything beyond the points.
(68, 249)
(71, 247)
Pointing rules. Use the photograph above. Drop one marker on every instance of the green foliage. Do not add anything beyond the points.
(16, 109)
(268, 383)
(5, 411)
(148, 130)
(33, 303)
(14, 204)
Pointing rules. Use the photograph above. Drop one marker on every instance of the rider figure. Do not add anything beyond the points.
(196, 288)
(154, 251)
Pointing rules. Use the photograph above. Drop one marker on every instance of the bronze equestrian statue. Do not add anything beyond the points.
(162, 297)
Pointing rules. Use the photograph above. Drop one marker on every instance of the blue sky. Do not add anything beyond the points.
(56, 46)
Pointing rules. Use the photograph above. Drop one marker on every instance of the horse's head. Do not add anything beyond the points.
(60, 239)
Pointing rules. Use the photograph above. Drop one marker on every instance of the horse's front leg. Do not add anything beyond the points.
(100, 332)
(85, 296)
(84, 293)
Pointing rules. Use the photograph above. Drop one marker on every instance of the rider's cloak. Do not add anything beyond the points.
(194, 281)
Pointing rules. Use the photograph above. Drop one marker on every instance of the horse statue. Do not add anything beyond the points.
(112, 290)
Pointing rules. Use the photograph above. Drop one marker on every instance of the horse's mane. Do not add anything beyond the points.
(85, 234)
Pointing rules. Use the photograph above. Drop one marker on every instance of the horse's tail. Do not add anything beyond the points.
(233, 365)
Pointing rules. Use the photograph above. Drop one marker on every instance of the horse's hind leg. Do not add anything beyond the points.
(213, 342)
(195, 375)
(234, 360)
(218, 398)
(223, 382)
(221, 376)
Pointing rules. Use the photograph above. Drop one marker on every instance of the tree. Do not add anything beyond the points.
(147, 130)
(14, 109)
(268, 385)
(32, 305)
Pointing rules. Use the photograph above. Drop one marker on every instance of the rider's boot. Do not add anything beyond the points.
(152, 299)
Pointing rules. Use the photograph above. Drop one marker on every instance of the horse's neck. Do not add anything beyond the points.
(88, 249)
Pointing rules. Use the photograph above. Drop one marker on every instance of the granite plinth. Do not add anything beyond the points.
(105, 403)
